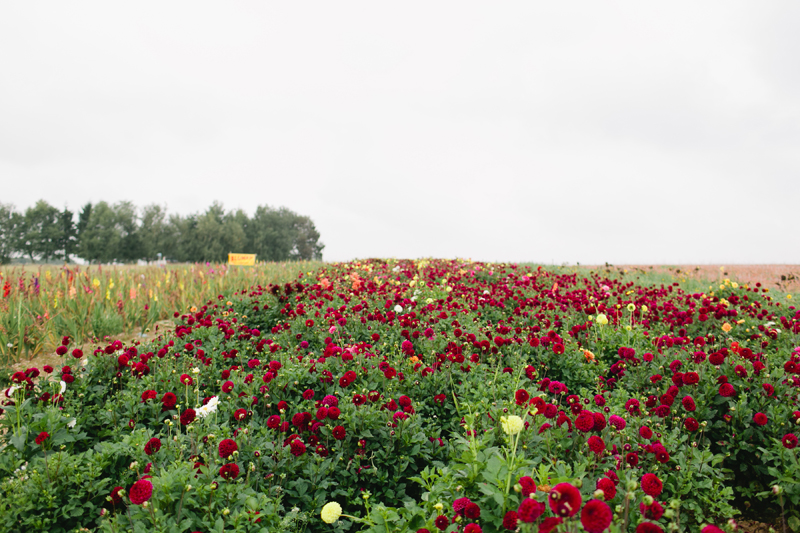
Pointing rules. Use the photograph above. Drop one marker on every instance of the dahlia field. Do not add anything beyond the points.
(420, 396)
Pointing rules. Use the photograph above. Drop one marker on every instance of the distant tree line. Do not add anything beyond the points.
(123, 233)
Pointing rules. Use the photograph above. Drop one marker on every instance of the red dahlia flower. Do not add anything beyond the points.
(510, 520)
(229, 471)
(651, 485)
(584, 421)
(688, 403)
(691, 424)
(43, 436)
(188, 416)
(339, 433)
(116, 499)
(227, 447)
(618, 422)
(472, 511)
(152, 446)
(789, 441)
(726, 390)
(528, 485)
(521, 396)
(473, 528)
(459, 505)
(442, 522)
(529, 510)
(608, 488)
(596, 516)
(596, 444)
(297, 447)
(565, 499)
(654, 511)
(141, 491)
(760, 419)
(169, 400)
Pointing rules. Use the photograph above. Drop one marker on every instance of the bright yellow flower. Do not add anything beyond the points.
(726, 327)
(602, 319)
(631, 308)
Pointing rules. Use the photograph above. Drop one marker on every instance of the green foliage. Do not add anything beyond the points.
(123, 233)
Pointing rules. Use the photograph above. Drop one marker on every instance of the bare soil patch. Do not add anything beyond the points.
(782, 277)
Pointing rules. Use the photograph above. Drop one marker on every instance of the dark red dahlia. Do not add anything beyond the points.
(227, 447)
(654, 511)
(297, 447)
(510, 520)
(565, 499)
(528, 485)
(596, 444)
(169, 400)
(339, 433)
(529, 510)
(596, 516)
(651, 485)
(229, 471)
(188, 416)
(789, 441)
(608, 488)
(141, 491)
(152, 446)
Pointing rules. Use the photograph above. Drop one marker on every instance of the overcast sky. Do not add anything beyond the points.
(627, 132)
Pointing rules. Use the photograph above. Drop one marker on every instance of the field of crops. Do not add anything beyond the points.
(399, 396)
(41, 304)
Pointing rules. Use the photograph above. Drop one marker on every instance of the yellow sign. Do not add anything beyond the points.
(242, 259)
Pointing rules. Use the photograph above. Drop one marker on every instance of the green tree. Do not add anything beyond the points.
(154, 231)
(40, 235)
(283, 235)
(10, 222)
(126, 222)
(67, 243)
(100, 238)
(184, 246)
(306, 240)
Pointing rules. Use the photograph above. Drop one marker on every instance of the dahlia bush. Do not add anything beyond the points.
(419, 396)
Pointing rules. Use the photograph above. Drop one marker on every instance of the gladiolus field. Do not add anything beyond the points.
(392, 396)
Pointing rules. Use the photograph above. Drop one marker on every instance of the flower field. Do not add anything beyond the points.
(40, 305)
(418, 396)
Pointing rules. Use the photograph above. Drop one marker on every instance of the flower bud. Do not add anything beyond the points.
(599, 494)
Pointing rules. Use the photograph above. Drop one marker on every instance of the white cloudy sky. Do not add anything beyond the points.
(627, 132)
